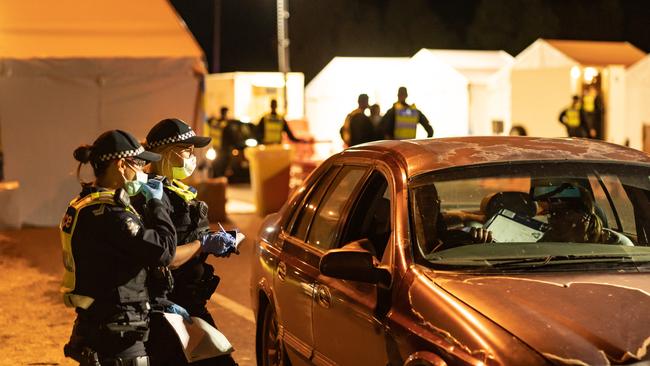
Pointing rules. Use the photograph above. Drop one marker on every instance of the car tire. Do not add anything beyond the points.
(273, 351)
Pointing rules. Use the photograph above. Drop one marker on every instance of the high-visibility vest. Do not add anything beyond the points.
(273, 126)
(589, 103)
(216, 133)
(573, 117)
(182, 190)
(67, 228)
(406, 121)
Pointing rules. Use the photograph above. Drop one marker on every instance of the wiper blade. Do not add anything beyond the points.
(561, 259)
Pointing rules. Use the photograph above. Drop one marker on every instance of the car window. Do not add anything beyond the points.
(613, 190)
(529, 213)
(305, 213)
(371, 216)
(323, 231)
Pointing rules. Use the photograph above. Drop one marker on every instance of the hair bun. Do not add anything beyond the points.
(82, 153)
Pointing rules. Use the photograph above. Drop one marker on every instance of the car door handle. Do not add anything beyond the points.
(282, 271)
(323, 296)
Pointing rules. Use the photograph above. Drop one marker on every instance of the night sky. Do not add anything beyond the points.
(322, 29)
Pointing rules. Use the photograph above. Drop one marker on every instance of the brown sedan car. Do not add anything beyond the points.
(460, 251)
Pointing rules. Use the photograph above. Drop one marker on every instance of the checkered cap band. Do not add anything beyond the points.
(172, 139)
(121, 154)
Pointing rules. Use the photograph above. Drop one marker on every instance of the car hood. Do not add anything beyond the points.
(582, 319)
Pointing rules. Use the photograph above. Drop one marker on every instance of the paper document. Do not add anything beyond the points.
(508, 227)
(199, 339)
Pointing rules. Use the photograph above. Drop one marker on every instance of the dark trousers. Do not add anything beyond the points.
(576, 132)
(108, 345)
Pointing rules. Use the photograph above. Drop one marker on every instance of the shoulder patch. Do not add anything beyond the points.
(100, 210)
(131, 226)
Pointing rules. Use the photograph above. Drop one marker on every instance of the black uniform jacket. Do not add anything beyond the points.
(111, 246)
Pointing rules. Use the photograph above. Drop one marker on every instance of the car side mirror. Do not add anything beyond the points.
(354, 263)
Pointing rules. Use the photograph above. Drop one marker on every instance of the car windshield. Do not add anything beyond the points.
(551, 215)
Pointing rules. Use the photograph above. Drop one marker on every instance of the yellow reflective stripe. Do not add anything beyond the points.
(573, 117)
(406, 122)
(182, 190)
(589, 103)
(273, 129)
(215, 134)
(67, 228)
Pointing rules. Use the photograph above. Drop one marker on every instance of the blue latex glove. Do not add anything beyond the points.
(177, 309)
(153, 189)
(219, 243)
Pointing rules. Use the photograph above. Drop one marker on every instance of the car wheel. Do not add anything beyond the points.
(273, 353)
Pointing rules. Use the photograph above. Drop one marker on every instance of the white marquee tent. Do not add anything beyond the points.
(637, 110)
(333, 93)
(485, 101)
(546, 74)
(71, 69)
(452, 88)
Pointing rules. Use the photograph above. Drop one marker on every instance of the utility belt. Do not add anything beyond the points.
(197, 290)
(88, 357)
(131, 322)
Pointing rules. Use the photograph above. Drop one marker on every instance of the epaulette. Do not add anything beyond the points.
(122, 198)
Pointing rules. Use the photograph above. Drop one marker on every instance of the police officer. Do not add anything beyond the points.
(357, 128)
(271, 126)
(194, 281)
(106, 250)
(400, 122)
(573, 119)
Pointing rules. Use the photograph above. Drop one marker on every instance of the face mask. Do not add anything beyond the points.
(133, 187)
(186, 170)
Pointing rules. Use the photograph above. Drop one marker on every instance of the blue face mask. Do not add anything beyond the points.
(133, 187)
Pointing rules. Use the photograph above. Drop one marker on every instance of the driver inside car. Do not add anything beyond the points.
(572, 216)
(434, 222)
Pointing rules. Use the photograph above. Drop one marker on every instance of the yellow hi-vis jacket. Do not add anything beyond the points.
(67, 228)
(573, 117)
(216, 132)
(406, 121)
(589, 103)
(273, 126)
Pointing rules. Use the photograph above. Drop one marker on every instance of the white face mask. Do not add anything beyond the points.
(186, 170)
(133, 187)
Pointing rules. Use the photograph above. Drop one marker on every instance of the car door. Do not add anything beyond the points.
(346, 329)
(298, 266)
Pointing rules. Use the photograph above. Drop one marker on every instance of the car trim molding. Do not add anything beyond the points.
(295, 343)
(322, 360)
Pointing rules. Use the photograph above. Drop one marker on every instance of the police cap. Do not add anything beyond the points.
(116, 144)
(174, 131)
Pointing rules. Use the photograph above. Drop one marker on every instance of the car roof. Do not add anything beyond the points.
(421, 156)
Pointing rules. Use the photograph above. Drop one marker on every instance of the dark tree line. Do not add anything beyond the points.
(322, 29)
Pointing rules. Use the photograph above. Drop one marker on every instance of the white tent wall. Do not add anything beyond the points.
(478, 69)
(441, 93)
(333, 93)
(538, 97)
(236, 90)
(637, 97)
(479, 120)
(48, 107)
(499, 101)
(615, 96)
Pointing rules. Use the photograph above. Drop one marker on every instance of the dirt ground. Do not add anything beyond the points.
(35, 323)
